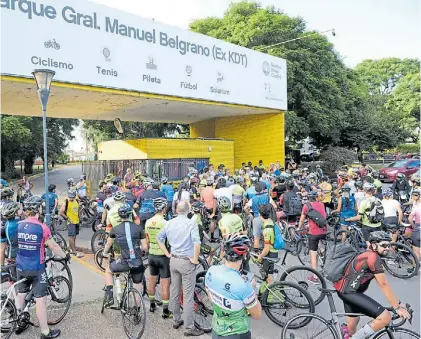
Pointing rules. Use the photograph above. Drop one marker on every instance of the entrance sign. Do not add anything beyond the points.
(92, 44)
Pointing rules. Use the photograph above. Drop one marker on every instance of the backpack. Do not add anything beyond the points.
(294, 205)
(315, 216)
(337, 259)
(376, 212)
(278, 242)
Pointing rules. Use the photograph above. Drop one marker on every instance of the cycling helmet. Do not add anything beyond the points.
(119, 196)
(155, 185)
(164, 180)
(375, 175)
(71, 193)
(160, 204)
(379, 236)
(400, 176)
(224, 204)
(325, 178)
(51, 187)
(70, 181)
(32, 203)
(125, 211)
(7, 193)
(265, 210)
(230, 181)
(83, 177)
(239, 180)
(359, 184)
(116, 180)
(346, 189)
(10, 210)
(222, 182)
(197, 206)
(109, 176)
(313, 194)
(368, 187)
(416, 192)
(236, 246)
(113, 189)
(254, 179)
(290, 184)
(148, 182)
(388, 192)
(311, 176)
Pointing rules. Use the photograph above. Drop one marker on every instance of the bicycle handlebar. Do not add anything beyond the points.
(397, 316)
(53, 258)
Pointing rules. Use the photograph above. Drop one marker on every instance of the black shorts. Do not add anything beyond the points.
(210, 211)
(37, 281)
(142, 224)
(73, 230)
(269, 266)
(135, 267)
(238, 208)
(415, 237)
(367, 230)
(391, 221)
(361, 303)
(313, 241)
(159, 265)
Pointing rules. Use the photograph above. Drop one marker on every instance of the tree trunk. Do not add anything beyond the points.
(29, 163)
(9, 167)
(3, 165)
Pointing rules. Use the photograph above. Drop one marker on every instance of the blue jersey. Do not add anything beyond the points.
(168, 191)
(52, 197)
(258, 200)
(231, 297)
(145, 201)
(250, 192)
(348, 207)
(12, 237)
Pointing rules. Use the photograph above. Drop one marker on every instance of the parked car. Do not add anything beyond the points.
(407, 167)
(370, 156)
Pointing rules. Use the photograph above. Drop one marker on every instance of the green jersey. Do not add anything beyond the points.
(269, 234)
(364, 210)
(153, 226)
(230, 223)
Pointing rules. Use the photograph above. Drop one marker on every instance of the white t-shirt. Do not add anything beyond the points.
(390, 207)
(185, 196)
(108, 203)
(351, 185)
(359, 196)
(223, 192)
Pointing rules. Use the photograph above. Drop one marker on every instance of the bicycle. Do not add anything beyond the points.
(98, 240)
(276, 299)
(11, 314)
(130, 304)
(320, 327)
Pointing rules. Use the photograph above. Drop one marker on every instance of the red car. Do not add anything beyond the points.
(406, 166)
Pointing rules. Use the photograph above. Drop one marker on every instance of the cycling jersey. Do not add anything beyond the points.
(168, 191)
(258, 200)
(364, 209)
(250, 192)
(100, 198)
(52, 197)
(348, 207)
(130, 198)
(153, 226)
(128, 236)
(278, 190)
(9, 235)
(390, 207)
(269, 234)
(113, 219)
(359, 273)
(81, 190)
(230, 223)
(72, 211)
(231, 297)
(32, 236)
(145, 201)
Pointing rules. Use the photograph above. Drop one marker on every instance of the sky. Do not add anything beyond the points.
(365, 29)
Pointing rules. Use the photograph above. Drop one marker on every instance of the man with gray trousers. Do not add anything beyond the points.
(182, 235)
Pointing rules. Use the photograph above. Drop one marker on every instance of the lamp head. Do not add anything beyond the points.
(118, 126)
(43, 78)
(333, 32)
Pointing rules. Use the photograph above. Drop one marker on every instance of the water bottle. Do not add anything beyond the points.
(345, 331)
(118, 289)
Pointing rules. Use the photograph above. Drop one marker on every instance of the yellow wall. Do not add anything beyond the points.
(122, 150)
(203, 129)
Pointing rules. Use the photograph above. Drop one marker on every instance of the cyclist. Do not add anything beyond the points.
(251, 191)
(70, 212)
(52, 198)
(70, 183)
(81, 187)
(182, 194)
(377, 184)
(169, 193)
(113, 217)
(415, 220)
(237, 195)
(347, 208)
(9, 233)
(359, 194)
(100, 198)
(129, 236)
(207, 197)
(279, 188)
(233, 297)
(33, 236)
(229, 222)
(358, 274)
(145, 203)
(400, 185)
(326, 189)
(315, 233)
(156, 187)
(108, 202)
(159, 263)
(392, 211)
(284, 201)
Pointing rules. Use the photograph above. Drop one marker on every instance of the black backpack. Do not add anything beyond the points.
(315, 216)
(292, 204)
(337, 259)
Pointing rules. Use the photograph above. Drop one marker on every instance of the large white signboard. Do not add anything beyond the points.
(92, 44)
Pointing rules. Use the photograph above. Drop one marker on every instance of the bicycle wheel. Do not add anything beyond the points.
(203, 309)
(303, 252)
(317, 328)
(59, 239)
(282, 300)
(59, 224)
(202, 266)
(398, 333)
(402, 262)
(104, 300)
(100, 261)
(299, 275)
(98, 240)
(59, 268)
(87, 216)
(8, 319)
(59, 298)
(134, 314)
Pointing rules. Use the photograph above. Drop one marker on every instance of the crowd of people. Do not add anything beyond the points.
(172, 223)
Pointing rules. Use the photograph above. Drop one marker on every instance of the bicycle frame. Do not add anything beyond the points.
(12, 292)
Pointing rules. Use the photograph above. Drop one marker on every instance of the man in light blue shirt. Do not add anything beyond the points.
(182, 234)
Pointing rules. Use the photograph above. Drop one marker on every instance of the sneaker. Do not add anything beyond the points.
(194, 332)
(152, 307)
(20, 329)
(79, 255)
(52, 334)
(177, 324)
(109, 302)
(167, 314)
(345, 331)
(314, 280)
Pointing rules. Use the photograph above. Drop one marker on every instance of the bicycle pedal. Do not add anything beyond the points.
(117, 308)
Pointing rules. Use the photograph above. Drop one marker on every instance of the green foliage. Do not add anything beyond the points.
(335, 157)
(409, 148)
(63, 158)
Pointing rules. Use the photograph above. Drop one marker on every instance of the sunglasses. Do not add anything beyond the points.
(385, 245)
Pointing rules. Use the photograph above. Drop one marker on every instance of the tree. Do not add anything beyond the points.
(335, 157)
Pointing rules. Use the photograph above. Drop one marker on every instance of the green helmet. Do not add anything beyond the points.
(224, 204)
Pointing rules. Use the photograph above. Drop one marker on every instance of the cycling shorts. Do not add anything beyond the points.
(237, 209)
(210, 211)
(313, 241)
(415, 237)
(159, 265)
(361, 303)
(36, 280)
(269, 266)
(366, 230)
(391, 221)
(246, 335)
(3, 236)
(120, 265)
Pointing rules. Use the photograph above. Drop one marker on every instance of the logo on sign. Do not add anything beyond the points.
(220, 77)
(189, 70)
(266, 68)
(106, 53)
(52, 44)
(151, 65)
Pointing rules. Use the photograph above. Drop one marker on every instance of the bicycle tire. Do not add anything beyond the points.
(309, 316)
(100, 261)
(59, 224)
(138, 310)
(104, 300)
(405, 253)
(61, 267)
(394, 330)
(317, 295)
(86, 217)
(12, 319)
(67, 300)
(303, 252)
(59, 239)
(309, 303)
(202, 265)
(98, 240)
(202, 310)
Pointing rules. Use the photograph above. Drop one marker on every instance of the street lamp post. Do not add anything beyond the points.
(43, 78)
